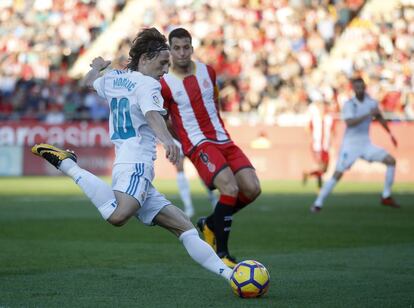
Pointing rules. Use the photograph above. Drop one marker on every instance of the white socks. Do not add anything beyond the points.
(203, 254)
(95, 189)
(185, 193)
(389, 180)
(325, 191)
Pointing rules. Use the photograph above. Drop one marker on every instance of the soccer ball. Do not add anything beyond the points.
(249, 279)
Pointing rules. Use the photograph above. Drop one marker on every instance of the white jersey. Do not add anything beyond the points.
(130, 96)
(354, 109)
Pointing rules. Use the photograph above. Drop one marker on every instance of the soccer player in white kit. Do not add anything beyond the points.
(358, 113)
(135, 123)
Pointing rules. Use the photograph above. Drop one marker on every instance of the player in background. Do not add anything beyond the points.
(358, 113)
(135, 122)
(191, 97)
(321, 126)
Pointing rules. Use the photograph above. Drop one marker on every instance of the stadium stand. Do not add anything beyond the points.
(270, 55)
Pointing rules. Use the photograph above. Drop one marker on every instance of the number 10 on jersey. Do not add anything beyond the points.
(121, 119)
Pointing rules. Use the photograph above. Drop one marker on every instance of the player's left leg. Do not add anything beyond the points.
(245, 174)
(386, 198)
(174, 220)
(375, 153)
(249, 188)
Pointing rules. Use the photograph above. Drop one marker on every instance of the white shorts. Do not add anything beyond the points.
(136, 181)
(350, 153)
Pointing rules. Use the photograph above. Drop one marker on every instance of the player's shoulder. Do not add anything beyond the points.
(370, 99)
(202, 64)
(144, 81)
(350, 100)
(205, 66)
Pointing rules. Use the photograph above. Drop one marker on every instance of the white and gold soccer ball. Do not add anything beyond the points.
(249, 279)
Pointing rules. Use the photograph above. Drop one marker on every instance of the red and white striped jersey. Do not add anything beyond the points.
(322, 125)
(192, 103)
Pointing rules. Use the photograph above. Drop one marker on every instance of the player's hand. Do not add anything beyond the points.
(375, 112)
(393, 140)
(99, 63)
(172, 152)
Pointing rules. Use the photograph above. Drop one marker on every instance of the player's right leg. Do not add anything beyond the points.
(174, 220)
(99, 192)
(325, 191)
(347, 156)
(222, 217)
(214, 171)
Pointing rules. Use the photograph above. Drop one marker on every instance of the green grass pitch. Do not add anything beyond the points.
(56, 251)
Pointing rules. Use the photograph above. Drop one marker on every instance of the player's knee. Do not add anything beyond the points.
(229, 189)
(252, 192)
(118, 220)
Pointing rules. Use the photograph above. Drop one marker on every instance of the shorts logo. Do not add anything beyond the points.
(204, 158)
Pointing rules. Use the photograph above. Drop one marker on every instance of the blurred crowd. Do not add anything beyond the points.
(39, 41)
(384, 58)
(266, 53)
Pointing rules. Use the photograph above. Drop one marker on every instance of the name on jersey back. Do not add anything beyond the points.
(124, 83)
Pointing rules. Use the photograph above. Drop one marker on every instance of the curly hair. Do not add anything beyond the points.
(149, 42)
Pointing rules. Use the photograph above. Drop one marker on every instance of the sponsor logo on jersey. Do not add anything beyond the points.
(179, 93)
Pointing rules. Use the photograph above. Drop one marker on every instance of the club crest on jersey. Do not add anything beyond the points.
(206, 84)
(204, 158)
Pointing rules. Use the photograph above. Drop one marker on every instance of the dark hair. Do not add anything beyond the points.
(179, 33)
(357, 79)
(148, 41)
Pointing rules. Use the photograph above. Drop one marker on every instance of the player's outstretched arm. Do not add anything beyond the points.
(384, 124)
(157, 123)
(98, 64)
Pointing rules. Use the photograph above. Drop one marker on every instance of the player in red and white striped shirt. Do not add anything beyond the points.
(321, 124)
(190, 96)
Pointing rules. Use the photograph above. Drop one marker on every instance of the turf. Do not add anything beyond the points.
(55, 250)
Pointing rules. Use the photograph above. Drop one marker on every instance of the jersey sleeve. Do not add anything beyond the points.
(99, 86)
(150, 98)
